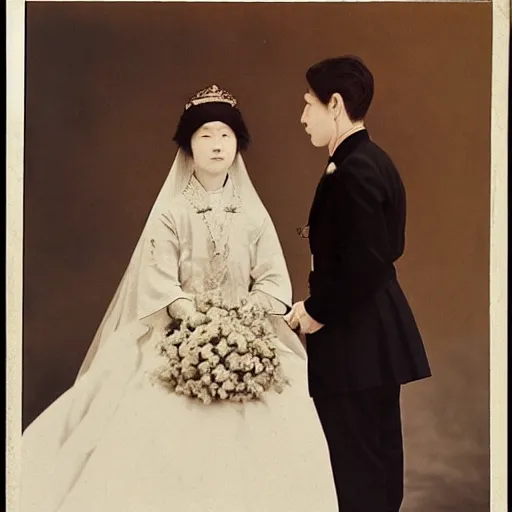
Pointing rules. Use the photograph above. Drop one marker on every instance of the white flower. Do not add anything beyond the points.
(176, 339)
(210, 333)
(188, 368)
(204, 396)
(232, 338)
(174, 370)
(263, 379)
(233, 377)
(206, 379)
(171, 352)
(257, 389)
(239, 341)
(267, 364)
(246, 318)
(204, 367)
(207, 352)
(216, 313)
(330, 168)
(214, 387)
(220, 373)
(246, 362)
(233, 362)
(226, 328)
(228, 385)
(222, 348)
(252, 385)
(258, 367)
(262, 347)
(164, 373)
(185, 349)
(249, 335)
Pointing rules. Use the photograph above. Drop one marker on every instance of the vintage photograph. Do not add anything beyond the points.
(256, 252)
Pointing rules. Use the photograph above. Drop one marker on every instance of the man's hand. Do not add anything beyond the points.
(291, 319)
(298, 316)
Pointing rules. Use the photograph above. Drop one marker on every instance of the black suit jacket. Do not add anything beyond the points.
(356, 233)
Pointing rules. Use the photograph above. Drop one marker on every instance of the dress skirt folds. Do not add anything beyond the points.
(117, 441)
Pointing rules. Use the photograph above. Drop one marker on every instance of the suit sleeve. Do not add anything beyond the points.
(359, 250)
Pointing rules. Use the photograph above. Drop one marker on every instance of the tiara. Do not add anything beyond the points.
(210, 95)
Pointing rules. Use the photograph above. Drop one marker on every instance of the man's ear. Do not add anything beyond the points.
(336, 104)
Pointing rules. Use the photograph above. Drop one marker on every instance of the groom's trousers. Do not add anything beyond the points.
(364, 433)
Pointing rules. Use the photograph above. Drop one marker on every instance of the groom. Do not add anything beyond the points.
(362, 339)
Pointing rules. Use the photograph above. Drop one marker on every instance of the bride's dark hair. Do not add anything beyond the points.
(197, 115)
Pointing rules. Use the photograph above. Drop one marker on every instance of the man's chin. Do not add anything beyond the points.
(317, 144)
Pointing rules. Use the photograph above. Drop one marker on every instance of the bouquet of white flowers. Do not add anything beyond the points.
(232, 356)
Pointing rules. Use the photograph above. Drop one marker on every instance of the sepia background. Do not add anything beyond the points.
(106, 84)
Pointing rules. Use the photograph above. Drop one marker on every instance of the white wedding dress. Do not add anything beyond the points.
(119, 442)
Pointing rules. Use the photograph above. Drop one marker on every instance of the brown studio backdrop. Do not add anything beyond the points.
(106, 84)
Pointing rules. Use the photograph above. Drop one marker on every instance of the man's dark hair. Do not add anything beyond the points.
(347, 76)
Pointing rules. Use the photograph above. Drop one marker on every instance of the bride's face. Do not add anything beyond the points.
(214, 147)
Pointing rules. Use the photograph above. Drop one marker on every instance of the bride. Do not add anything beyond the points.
(118, 440)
